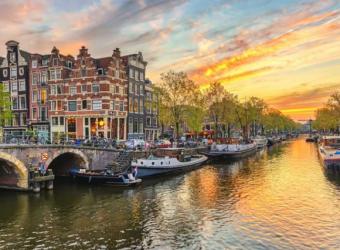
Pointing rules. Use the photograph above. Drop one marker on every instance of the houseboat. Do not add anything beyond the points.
(231, 151)
(260, 141)
(153, 166)
(329, 150)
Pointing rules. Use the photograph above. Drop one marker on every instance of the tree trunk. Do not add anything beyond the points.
(177, 130)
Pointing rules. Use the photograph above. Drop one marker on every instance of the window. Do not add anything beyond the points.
(21, 71)
(84, 88)
(58, 74)
(141, 106)
(136, 89)
(5, 73)
(53, 89)
(52, 75)
(13, 71)
(34, 113)
(72, 106)
(43, 113)
(35, 79)
(14, 86)
(69, 64)
(22, 102)
(84, 104)
(96, 104)
(34, 64)
(22, 85)
(61, 120)
(44, 77)
(55, 61)
(117, 73)
(117, 89)
(95, 88)
(59, 90)
(6, 86)
(34, 95)
(136, 75)
(54, 121)
(121, 106)
(45, 62)
(23, 119)
(125, 91)
(141, 76)
(14, 102)
(73, 90)
(112, 105)
(148, 121)
(53, 105)
(100, 72)
(43, 96)
(131, 73)
(135, 125)
(141, 90)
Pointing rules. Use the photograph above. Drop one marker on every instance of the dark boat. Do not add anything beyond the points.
(106, 177)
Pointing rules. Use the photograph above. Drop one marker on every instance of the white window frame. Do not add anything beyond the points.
(97, 105)
(73, 90)
(22, 85)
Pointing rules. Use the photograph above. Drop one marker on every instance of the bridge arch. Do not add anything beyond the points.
(65, 159)
(13, 172)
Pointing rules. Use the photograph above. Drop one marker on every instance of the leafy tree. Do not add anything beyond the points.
(177, 92)
(195, 114)
(214, 97)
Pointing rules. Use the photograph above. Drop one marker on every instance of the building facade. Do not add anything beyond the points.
(14, 74)
(65, 97)
(151, 110)
(135, 70)
(88, 98)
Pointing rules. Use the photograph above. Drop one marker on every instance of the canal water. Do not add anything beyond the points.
(279, 199)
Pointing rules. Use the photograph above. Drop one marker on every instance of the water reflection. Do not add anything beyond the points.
(280, 198)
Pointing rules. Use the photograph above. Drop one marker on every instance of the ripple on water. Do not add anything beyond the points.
(279, 199)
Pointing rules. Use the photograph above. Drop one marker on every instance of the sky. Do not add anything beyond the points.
(284, 51)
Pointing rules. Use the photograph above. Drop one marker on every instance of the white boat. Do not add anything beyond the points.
(329, 151)
(152, 165)
(260, 141)
(231, 151)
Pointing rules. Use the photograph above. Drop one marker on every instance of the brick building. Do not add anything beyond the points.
(151, 111)
(14, 74)
(88, 98)
(135, 70)
(61, 96)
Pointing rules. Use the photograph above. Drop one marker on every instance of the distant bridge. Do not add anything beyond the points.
(15, 160)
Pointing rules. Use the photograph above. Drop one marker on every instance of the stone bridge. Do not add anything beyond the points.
(15, 161)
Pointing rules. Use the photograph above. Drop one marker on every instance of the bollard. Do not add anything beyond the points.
(49, 185)
(36, 187)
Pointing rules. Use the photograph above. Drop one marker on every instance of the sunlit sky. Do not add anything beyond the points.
(284, 51)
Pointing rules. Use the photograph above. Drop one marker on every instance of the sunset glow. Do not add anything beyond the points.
(286, 52)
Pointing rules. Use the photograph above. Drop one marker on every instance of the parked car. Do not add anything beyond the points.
(163, 144)
(136, 144)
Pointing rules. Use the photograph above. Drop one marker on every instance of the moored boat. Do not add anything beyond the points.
(106, 177)
(231, 151)
(153, 166)
(329, 151)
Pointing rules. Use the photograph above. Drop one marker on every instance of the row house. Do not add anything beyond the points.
(92, 100)
(135, 70)
(151, 110)
(61, 96)
(14, 74)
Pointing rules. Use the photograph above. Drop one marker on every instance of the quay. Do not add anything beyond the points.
(18, 163)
